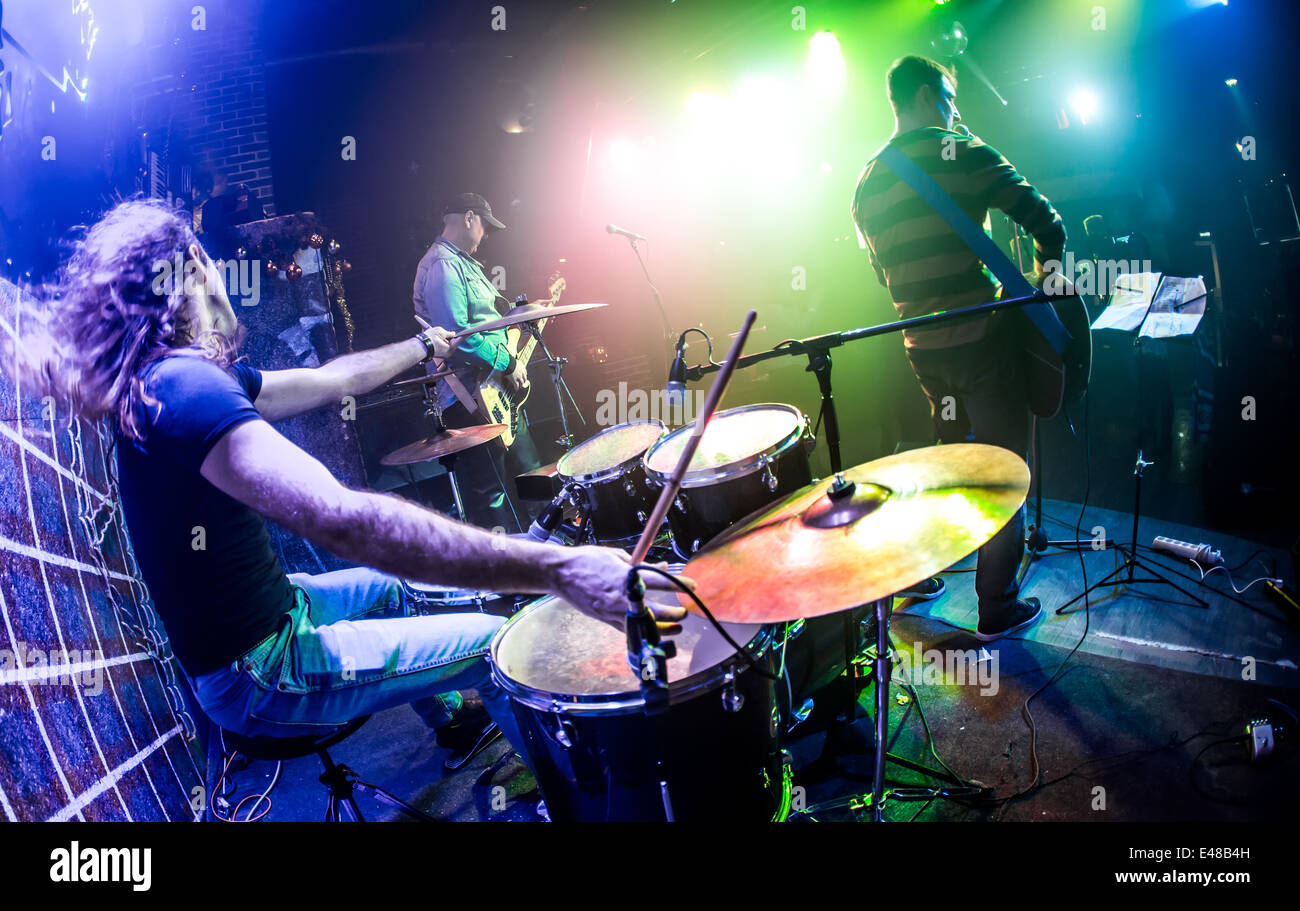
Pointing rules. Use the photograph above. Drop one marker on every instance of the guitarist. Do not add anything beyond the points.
(969, 369)
(451, 291)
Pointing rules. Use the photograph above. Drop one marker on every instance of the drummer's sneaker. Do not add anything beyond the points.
(1026, 613)
(466, 734)
(928, 590)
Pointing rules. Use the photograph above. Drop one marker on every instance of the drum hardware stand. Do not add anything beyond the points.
(882, 671)
(648, 658)
(561, 387)
(1125, 571)
(434, 411)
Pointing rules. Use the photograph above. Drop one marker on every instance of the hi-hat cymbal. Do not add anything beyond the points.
(825, 549)
(525, 314)
(449, 442)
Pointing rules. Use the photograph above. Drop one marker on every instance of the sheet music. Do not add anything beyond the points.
(1129, 302)
(1177, 308)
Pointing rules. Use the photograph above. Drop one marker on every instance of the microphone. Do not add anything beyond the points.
(963, 129)
(676, 396)
(1200, 553)
(631, 235)
(549, 519)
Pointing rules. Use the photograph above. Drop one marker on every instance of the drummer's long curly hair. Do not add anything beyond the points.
(106, 318)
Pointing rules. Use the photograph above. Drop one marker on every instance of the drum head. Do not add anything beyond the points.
(609, 449)
(733, 436)
(554, 648)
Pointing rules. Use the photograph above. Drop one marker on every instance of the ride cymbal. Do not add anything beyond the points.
(526, 313)
(829, 547)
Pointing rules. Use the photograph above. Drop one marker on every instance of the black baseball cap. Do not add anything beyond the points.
(471, 202)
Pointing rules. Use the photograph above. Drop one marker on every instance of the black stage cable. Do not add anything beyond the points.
(744, 652)
(1087, 617)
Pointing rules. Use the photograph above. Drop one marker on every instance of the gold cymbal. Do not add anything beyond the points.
(893, 523)
(526, 313)
(449, 442)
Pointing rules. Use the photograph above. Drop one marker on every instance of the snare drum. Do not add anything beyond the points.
(607, 468)
(597, 754)
(423, 598)
(749, 457)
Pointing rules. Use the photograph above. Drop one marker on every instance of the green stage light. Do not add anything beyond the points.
(825, 73)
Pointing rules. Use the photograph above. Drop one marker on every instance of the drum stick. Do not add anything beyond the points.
(669, 493)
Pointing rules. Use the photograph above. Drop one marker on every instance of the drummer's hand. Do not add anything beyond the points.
(444, 341)
(594, 580)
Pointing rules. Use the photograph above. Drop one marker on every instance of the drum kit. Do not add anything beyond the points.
(771, 551)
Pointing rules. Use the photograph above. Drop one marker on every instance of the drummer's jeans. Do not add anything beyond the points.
(988, 405)
(348, 649)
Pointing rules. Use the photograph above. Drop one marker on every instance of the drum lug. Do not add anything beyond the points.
(681, 502)
(628, 487)
(641, 515)
(732, 699)
(565, 733)
(768, 477)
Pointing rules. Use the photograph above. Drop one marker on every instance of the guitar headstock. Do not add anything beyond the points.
(555, 286)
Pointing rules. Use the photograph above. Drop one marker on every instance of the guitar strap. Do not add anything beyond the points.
(1043, 316)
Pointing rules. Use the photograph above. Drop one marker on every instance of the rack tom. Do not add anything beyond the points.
(749, 457)
(613, 492)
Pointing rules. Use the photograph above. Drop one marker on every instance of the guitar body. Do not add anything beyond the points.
(497, 404)
(1053, 380)
(496, 399)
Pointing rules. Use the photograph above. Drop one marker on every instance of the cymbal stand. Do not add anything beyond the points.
(433, 411)
(561, 387)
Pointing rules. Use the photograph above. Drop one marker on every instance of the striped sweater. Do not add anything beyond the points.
(922, 262)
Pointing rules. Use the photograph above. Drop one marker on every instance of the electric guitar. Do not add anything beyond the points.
(497, 401)
(1054, 380)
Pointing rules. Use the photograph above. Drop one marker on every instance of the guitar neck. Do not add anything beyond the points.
(525, 352)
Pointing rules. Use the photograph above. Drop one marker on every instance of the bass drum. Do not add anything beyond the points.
(599, 757)
(614, 496)
(748, 458)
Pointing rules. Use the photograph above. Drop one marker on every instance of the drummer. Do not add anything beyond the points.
(201, 469)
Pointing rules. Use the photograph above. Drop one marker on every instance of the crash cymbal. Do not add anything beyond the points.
(825, 549)
(449, 442)
(420, 380)
(526, 314)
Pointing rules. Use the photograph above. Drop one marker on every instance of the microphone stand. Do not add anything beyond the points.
(663, 315)
(817, 350)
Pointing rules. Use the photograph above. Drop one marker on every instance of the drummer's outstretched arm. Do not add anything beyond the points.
(257, 466)
(286, 393)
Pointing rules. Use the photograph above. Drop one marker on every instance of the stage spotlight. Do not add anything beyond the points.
(826, 73)
(703, 106)
(1230, 81)
(952, 41)
(1085, 104)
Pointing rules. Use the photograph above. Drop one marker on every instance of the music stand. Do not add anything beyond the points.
(1173, 308)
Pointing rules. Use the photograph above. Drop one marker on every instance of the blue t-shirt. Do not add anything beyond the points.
(216, 584)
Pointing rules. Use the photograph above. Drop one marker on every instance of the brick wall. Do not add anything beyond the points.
(207, 88)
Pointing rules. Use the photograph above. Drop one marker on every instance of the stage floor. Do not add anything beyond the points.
(1134, 729)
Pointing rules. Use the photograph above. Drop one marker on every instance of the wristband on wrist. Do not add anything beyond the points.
(428, 347)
